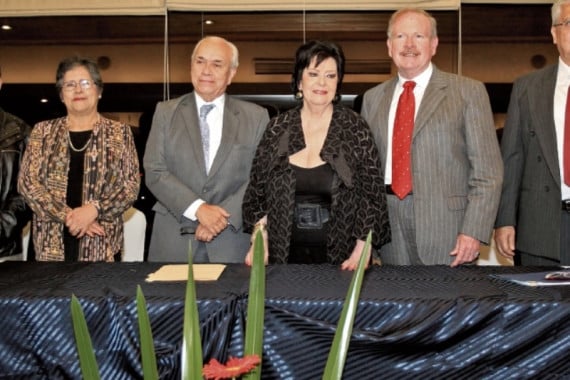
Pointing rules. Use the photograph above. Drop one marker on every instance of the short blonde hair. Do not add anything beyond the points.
(400, 12)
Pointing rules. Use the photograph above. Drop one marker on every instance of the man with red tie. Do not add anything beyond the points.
(533, 222)
(437, 140)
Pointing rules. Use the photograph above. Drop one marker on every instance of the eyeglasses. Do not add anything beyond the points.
(565, 24)
(71, 85)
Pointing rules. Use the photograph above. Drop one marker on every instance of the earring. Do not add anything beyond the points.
(99, 96)
(299, 95)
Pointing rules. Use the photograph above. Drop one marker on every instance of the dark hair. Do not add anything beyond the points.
(71, 62)
(320, 50)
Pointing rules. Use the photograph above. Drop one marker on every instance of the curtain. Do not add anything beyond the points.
(26, 8)
(311, 5)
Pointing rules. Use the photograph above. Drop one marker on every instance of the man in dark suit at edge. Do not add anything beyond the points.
(533, 220)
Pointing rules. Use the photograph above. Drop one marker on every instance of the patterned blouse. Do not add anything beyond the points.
(358, 193)
(110, 182)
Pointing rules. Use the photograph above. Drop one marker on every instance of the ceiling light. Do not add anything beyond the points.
(6, 27)
(43, 100)
(209, 22)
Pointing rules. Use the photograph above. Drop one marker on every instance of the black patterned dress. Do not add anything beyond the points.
(313, 187)
(358, 195)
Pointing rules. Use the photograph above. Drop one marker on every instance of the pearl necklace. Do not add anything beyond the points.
(73, 148)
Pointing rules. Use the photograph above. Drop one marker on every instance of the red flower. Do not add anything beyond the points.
(233, 368)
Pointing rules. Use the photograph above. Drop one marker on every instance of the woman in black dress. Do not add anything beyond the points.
(315, 184)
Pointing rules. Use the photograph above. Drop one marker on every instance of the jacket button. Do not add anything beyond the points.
(547, 188)
(539, 159)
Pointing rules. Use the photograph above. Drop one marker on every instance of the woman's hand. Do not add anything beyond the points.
(79, 219)
(94, 229)
(259, 226)
(352, 262)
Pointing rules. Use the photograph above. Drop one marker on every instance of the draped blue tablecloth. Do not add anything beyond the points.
(412, 322)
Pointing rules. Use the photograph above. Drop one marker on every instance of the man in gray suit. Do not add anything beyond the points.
(197, 163)
(536, 197)
(454, 158)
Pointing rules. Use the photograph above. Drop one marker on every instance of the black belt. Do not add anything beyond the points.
(311, 216)
(391, 192)
(566, 205)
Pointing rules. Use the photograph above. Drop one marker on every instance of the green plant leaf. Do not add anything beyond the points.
(148, 357)
(339, 348)
(87, 360)
(256, 306)
(192, 343)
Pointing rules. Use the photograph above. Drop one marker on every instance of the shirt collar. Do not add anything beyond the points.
(218, 102)
(421, 80)
(563, 76)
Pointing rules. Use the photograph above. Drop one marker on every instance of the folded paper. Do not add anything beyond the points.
(179, 272)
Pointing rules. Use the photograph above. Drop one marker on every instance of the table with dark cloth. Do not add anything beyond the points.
(412, 322)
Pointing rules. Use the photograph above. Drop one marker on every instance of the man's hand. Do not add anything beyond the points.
(466, 250)
(213, 218)
(505, 241)
(352, 262)
(203, 234)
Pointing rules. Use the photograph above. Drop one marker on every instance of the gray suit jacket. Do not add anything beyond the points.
(176, 175)
(456, 163)
(531, 190)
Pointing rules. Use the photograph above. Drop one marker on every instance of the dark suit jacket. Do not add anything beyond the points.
(531, 190)
(176, 175)
(456, 162)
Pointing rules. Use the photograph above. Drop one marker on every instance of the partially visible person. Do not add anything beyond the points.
(145, 200)
(79, 173)
(14, 213)
(316, 184)
(439, 150)
(197, 162)
(533, 222)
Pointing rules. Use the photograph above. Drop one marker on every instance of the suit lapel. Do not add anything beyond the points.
(382, 116)
(433, 95)
(542, 113)
(192, 125)
(229, 131)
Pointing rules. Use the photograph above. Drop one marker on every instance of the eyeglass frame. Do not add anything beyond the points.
(71, 85)
(565, 23)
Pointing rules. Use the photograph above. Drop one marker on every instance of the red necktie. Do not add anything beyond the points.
(566, 146)
(402, 142)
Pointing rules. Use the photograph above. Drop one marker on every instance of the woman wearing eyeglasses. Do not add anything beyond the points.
(79, 173)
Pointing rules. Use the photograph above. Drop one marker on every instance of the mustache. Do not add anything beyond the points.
(410, 52)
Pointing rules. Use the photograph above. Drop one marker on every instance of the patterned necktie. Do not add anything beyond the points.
(402, 142)
(205, 132)
(566, 146)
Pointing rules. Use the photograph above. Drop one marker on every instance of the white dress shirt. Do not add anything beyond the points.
(422, 81)
(215, 123)
(560, 93)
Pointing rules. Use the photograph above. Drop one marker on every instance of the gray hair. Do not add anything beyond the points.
(235, 53)
(557, 9)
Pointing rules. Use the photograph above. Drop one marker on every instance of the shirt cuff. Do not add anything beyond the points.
(190, 212)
